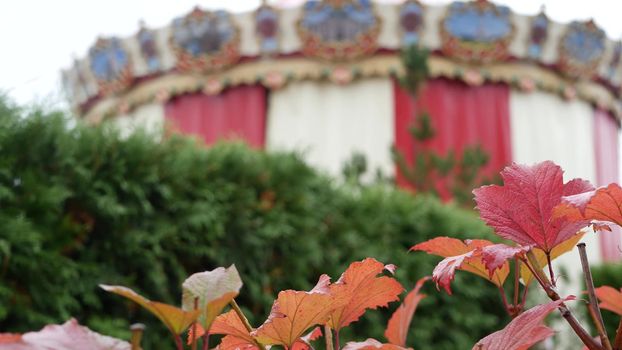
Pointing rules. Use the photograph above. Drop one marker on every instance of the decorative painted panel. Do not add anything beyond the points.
(149, 49)
(267, 29)
(581, 49)
(339, 29)
(538, 35)
(110, 65)
(205, 41)
(477, 31)
(614, 63)
(411, 22)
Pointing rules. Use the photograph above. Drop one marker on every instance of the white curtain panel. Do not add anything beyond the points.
(329, 122)
(547, 127)
(149, 118)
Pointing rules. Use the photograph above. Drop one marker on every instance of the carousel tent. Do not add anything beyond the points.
(322, 78)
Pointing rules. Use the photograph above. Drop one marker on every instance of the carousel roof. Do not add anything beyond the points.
(343, 40)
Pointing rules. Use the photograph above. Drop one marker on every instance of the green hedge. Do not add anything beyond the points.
(82, 206)
(609, 274)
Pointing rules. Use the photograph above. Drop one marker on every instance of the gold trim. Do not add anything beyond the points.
(297, 69)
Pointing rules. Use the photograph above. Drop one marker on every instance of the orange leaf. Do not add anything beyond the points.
(304, 342)
(212, 291)
(175, 319)
(522, 332)
(293, 313)
(447, 247)
(610, 299)
(228, 323)
(604, 204)
(230, 342)
(371, 344)
(361, 289)
(397, 328)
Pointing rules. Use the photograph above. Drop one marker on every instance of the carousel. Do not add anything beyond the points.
(322, 78)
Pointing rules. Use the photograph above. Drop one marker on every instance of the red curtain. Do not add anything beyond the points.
(236, 113)
(606, 147)
(462, 116)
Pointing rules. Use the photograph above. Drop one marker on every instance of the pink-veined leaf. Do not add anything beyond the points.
(445, 271)
(293, 313)
(522, 209)
(399, 323)
(496, 256)
(210, 292)
(174, 318)
(361, 288)
(371, 344)
(447, 247)
(522, 332)
(68, 336)
(610, 299)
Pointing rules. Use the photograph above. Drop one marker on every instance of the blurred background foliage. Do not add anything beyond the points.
(81, 206)
(609, 274)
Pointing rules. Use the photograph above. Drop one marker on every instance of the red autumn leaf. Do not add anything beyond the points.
(174, 318)
(522, 332)
(448, 247)
(558, 251)
(397, 328)
(371, 344)
(604, 204)
(293, 313)
(496, 256)
(360, 288)
(228, 324)
(522, 209)
(454, 250)
(68, 336)
(610, 299)
(230, 342)
(445, 271)
(304, 342)
(10, 338)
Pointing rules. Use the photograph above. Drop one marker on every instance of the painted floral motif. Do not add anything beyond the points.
(477, 30)
(539, 33)
(148, 48)
(267, 29)
(339, 29)
(110, 65)
(581, 49)
(411, 22)
(205, 41)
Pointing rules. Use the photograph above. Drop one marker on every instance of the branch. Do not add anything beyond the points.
(328, 335)
(617, 343)
(536, 270)
(597, 318)
(244, 320)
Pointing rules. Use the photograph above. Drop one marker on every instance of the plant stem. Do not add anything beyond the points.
(137, 335)
(178, 342)
(617, 343)
(563, 309)
(336, 339)
(328, 335)
(206, 341)
(516, 281)
(244, 320)
(551, 273)
(194, 327)
(505, 301)
(597, 318)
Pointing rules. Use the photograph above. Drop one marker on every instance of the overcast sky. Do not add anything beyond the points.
(39, 37)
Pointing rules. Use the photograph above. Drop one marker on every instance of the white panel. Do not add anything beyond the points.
(546, 127)
(522, 24)
(288, 34)
(149, 118)
(248, 36)
(389, 37)
(328, 122)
